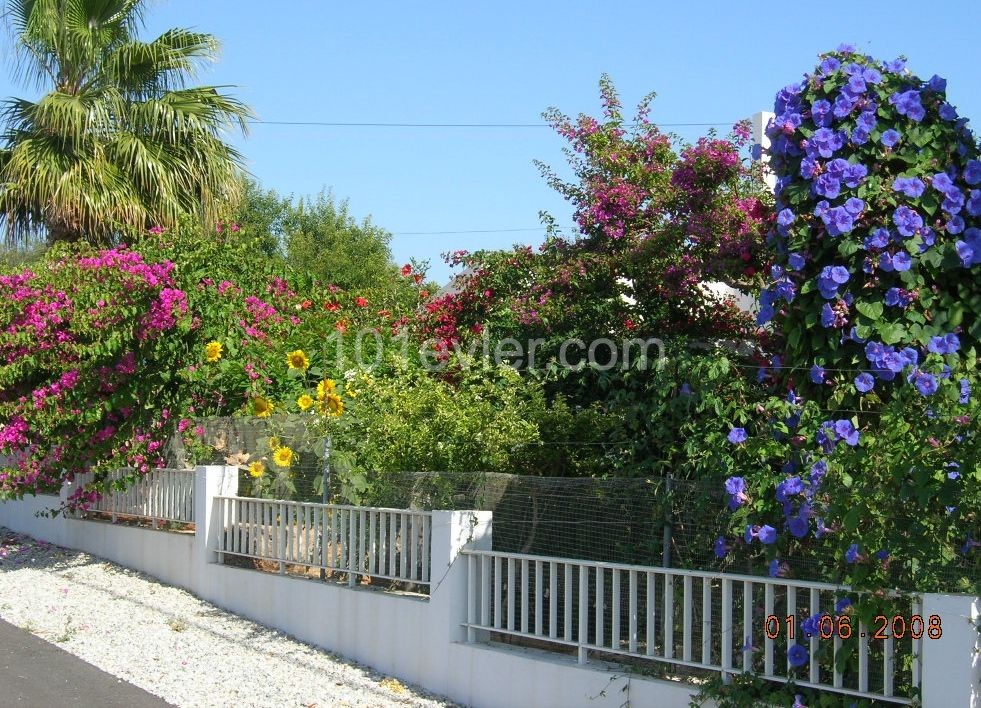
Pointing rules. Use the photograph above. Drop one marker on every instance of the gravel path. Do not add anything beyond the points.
(173, 645)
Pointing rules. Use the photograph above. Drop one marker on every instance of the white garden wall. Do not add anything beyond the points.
(421, 640)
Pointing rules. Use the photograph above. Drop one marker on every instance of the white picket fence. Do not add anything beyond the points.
(159, 495)
(721, 622)
(385, 544)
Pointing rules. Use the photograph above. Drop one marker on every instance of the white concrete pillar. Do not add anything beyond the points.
(452, 532)
(951, 664)
(210, 481)
(759, 121)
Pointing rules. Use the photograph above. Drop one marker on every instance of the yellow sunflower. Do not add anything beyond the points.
(257, 469)
(304, 402)
(283, 456)
(274, 442)
(213, 351)
(298, 360)
(325, 388)
(332, 405)
(261, 407)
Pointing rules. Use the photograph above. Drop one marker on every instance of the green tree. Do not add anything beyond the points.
(323, 238)
(318, 236)
(119, 142)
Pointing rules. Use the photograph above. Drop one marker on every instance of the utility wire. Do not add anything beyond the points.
(334, 124)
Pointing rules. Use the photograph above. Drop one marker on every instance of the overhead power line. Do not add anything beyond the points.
(466, 231)
(335, 124)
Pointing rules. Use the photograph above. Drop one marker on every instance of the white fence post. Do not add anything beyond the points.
(211, 481)
(453, 531)
(951, 664)
(759, 121)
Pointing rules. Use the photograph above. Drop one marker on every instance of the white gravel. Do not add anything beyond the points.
(172, 644)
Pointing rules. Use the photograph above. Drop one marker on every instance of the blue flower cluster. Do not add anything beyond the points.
(832, 432)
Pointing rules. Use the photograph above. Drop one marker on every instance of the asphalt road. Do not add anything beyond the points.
(34, 672)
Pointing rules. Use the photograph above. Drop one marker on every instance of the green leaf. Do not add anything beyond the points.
(872, 310)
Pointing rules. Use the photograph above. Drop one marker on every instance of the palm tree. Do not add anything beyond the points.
(120, 142)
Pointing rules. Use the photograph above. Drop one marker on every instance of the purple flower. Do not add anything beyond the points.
(838, 220)
(938, 84)
(818, 470)
(947, 344)
(854, 174)
(774, 568)
(969, 247)
(851, 555)
(817, 374)
(902, 262)
(736, 489)
(821, 113)
(795, 261)
(789, 487)
(829, 66)
(767, 535)
(954, 225)
(797, 655)
(882, 555)
(972, 173)
(828, 316)
(954, 470)
(786, 217)
(965, 392)
(737, 436)
(844, 104)
(896, 66)
(846, 431)
(926, 384)
(907, 221)
(826, 142)
(854, 206)
(721, 547)
(908, 104)
(912, 187)
(890, 138)
(974, 203)
(811, 626)
(864, 382)
(798, 526)
(943, 183)
(947, 112)
(878, 238)
(842, 604)
(826, 185)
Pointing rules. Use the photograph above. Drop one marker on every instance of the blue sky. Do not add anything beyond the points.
(505, 62)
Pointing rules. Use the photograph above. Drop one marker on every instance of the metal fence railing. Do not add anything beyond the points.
(714, 621)
(159, 495)
(362, 542)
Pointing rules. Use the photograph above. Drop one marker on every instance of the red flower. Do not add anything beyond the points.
(305, 305)
(406, 269)
(424, 294)
(417, 277)
(630, 324)
(384, 313)
(341, 326)
(361, 302)
(331, 306)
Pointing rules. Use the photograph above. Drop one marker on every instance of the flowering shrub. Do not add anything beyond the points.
(877, 238)
(867, 461)
(103, 354)
(654, 225)
(87, 337)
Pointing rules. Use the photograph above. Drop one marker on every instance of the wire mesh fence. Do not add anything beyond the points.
(644, 520)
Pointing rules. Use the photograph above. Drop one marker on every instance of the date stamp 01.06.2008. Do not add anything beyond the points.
(828, 626)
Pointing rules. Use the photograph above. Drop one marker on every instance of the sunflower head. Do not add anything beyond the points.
(213, 351)
(257, 469)
(261, 407)
(304, 402)
(325, 388)
(331, 405)
(274, 442)
(298, 360)
(283, 456)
